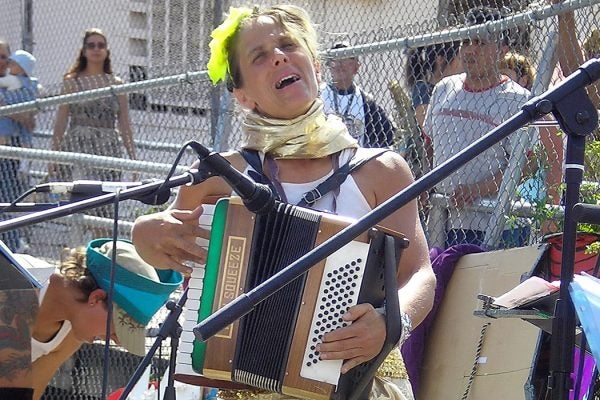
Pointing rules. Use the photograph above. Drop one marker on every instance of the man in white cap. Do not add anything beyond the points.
(366, 121)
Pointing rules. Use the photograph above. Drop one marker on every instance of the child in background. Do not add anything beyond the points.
(10, 82)
(519, 68)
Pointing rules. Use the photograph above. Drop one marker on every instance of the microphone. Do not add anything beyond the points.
(257, 198)
(89, 188)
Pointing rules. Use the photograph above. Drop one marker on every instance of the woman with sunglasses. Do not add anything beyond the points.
(90, 126)
(269, 61)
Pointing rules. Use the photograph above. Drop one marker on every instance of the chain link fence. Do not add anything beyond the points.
(130, 125)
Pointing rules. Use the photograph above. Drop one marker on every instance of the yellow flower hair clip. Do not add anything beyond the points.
(218, 64)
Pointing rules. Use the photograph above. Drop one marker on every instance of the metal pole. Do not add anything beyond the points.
(27, 28)
(215, 93)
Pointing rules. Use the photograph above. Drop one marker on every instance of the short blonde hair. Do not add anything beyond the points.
(292, 19)
(520, 64)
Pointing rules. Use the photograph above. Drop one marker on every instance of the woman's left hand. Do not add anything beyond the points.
(358, 342)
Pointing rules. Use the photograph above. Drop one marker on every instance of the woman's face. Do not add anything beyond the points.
(3, 60)
(278, 74)
(95, 49)
(90, 322)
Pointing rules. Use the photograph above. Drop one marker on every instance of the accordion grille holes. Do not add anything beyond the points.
(339, 290)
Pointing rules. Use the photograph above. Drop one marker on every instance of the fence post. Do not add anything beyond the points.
(27, 27)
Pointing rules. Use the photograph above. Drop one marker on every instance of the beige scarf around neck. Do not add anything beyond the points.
(312, 135)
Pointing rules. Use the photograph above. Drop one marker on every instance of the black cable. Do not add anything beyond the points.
(174, 165)
(21, 197)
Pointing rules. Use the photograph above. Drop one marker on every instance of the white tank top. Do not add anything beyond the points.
(350, 201)
(39, 349)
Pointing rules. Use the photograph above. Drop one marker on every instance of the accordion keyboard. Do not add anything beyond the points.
(192, 306)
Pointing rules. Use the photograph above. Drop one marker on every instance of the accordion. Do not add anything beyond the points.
(273, 346)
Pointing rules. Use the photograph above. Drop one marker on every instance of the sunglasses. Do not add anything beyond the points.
(93, 45)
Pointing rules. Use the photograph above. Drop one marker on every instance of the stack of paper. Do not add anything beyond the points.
(531, 289)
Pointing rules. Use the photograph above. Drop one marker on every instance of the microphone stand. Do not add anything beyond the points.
(577, 116)
(29, 207)
(155, 190)
(170, 328)
(148, 191)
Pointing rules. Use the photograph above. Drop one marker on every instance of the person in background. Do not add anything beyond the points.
(22, 64)
(533, 188)
(366, 120)
(73, 306)
(268, 57)
(12, 128)
(465, 107)
(518, 68)
(572, 54)
(425, 67)
(92, 126)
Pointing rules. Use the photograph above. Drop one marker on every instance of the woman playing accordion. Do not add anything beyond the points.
(268, 59)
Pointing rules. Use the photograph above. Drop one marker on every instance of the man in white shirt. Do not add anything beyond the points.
(366, 121)
(464, 108)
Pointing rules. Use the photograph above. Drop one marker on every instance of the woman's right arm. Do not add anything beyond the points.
(62, 115)
(570, 53)
(60, 126)
(420, 112)
(167, 239)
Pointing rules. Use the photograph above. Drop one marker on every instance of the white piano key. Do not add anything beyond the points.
(194, 293)
(189, 325)
(192, 304)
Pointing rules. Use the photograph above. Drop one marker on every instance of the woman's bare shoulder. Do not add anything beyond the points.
(46, 366)
(70, 82)
(388, 162)
(383, 175)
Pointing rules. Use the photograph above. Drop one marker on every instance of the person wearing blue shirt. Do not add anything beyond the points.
(15, 130)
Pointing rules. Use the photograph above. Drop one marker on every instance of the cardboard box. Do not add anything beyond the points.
(502, 352)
